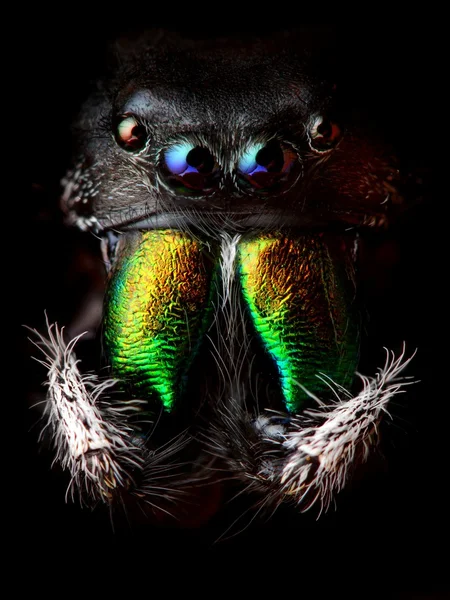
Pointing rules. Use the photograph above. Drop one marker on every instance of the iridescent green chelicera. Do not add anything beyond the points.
(299, 294)
(157, 310)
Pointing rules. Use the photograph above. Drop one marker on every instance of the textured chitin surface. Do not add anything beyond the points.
(300, 298)
(156, 311)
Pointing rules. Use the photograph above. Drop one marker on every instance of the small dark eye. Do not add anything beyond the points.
(265, 166)
(130, 134)
(191, 168)
(324, 135)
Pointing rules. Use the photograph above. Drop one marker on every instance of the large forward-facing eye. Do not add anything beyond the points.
(191, 168)
(324, 135)
(266, 166)
(130, 134)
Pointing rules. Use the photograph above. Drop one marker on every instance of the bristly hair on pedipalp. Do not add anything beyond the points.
(97, 438)
(307, 459)
(325, 444)
(90, 434)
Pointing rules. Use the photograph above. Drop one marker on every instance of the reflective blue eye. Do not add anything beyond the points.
(191, 167)
(248, 163)
(264, 166)
(176, 159)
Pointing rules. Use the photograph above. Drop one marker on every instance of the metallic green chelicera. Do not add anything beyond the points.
(157, 310)
(299, 294)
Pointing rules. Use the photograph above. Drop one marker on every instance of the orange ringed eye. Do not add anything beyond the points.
(131, 135)
(324, 135)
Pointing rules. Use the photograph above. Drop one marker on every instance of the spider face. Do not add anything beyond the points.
(229, 200)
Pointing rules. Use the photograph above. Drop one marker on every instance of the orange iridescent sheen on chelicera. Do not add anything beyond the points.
(156, 310)
(300, 305)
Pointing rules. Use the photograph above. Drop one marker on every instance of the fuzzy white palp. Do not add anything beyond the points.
(91, 438)
(324, 444)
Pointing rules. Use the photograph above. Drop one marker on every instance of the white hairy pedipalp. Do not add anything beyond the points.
(91, 438)
(325, 443)
(305, 458)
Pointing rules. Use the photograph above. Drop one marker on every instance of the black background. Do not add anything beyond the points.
(390, 531)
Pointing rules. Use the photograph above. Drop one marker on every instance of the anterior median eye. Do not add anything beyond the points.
(191, 168)
(265, 166)
(130, 134)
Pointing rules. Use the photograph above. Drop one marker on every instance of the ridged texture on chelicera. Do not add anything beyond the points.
(156, 312)
(296, 292)
(300, 301)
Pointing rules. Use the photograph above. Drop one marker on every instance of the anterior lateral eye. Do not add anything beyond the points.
(130, 134)
(324, 134)
(265, 166)
(191, 168)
